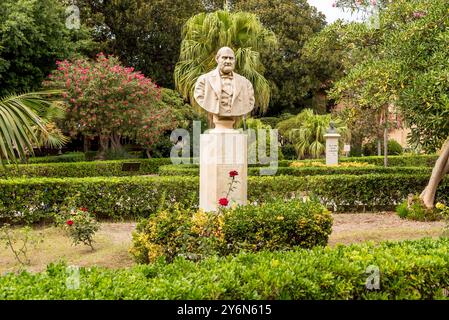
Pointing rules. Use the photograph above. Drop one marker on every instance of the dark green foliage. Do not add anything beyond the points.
(289, 151)
(143, 34)
(394, 148)
(408, 270)
(33, 36)
(293, 22)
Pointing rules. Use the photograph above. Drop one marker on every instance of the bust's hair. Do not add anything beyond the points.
(220, 51)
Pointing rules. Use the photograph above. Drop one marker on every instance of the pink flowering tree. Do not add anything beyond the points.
(111, 102)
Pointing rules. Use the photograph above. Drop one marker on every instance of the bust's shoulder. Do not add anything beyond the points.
(241, 78)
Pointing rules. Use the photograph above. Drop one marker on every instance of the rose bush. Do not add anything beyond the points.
(80, 225)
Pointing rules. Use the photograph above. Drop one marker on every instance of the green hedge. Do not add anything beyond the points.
(83, 169)
(393, 161)
(194, 234)
(36, 198)
(408, 270)
(191, 170)
(67, 157)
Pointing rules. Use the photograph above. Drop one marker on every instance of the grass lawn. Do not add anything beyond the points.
(114, 239)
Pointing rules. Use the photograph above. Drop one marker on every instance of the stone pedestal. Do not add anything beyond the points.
(331, 148)
(222, 150)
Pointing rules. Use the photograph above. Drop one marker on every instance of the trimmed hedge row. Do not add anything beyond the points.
(408, 270)
(117, 197)
(67, 157)
(393, 161)
(190, 170)
(83, 169)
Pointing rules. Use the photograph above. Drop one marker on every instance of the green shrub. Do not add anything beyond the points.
(177, 231)
(394, 148)
(277, 225)
(195, 234)
(408, 270)
(67, 157)
(414, 209)
(83, 169)
(289, 151)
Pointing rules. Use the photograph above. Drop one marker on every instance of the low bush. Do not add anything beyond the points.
(394, 148)
(408, 270)
(276, 225)
(414, 209)
(118, 197)
(83, 169)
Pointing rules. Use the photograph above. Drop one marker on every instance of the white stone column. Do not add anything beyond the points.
(222, 150)
(331, 148)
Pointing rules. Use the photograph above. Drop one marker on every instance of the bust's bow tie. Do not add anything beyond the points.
(227, 76)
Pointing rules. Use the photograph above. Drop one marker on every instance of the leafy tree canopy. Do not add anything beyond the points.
(293, 22)
(33, 35)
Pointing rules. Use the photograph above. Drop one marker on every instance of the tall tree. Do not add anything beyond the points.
(410, 71)
(143, 34)
(205, 33)
(33, 35)
(109, 101)
(293, 22)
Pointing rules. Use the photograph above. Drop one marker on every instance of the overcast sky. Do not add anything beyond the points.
(331, 13)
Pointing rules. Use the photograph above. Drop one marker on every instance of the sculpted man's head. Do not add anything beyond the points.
(225, 59)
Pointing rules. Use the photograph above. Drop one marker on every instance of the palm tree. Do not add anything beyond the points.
(21, 127)
(306, 132)
(205, 33)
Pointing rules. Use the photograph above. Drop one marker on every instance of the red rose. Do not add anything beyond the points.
(233, 173)
(83, 209)
(223, 202)
(69, 222)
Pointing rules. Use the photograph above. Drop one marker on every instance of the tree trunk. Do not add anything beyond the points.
(386, 146)
(147, 151)
(116, 144)
(439, 170)
(379, 147)
(104, 146)
(86, 144)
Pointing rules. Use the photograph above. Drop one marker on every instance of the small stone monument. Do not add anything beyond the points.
(226, 95)
(331, 137)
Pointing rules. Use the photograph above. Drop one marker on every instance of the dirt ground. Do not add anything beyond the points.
(114, 239)
(359, 227)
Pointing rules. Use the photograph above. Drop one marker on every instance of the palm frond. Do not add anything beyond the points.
(20, 123)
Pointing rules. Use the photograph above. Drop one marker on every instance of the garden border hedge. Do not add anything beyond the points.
(121, 197)
(83, 169)
(408, 270)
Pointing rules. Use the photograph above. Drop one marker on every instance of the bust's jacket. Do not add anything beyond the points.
(208, 92)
